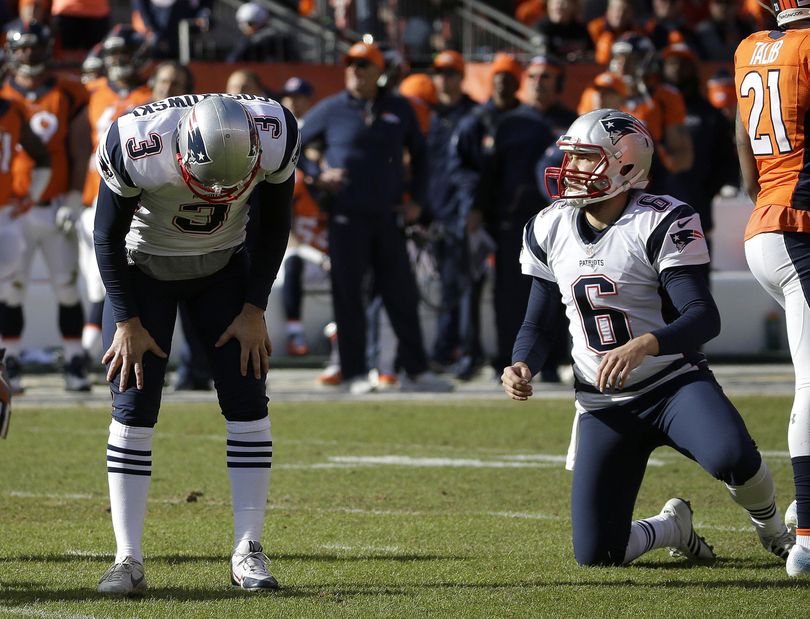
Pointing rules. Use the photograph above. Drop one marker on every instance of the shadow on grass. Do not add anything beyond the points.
(27, 592)
(179, 559)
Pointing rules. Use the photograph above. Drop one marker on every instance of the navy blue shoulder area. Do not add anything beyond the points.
(292, 137)
(531, 243)
(659, 235)
(116, 155)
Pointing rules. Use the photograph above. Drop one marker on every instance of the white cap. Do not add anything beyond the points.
(252, 13)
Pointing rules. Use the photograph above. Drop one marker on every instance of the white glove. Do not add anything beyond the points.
(67, 214)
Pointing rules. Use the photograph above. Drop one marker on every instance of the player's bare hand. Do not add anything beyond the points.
(250, 330)
(516, 381)
(130, 342)
(616, 365)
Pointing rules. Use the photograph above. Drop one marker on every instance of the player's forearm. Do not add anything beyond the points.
(699, 319)
(540, 326)
(273, 208)
(113, 218)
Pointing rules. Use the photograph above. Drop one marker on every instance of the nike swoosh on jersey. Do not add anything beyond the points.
(681, 225)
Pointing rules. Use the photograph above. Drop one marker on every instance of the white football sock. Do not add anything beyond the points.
(758, 497)
(249, 457)
(650, 533)
(129, 470)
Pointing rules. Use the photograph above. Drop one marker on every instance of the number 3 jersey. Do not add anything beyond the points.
(137, 157)
(772, 76)
(610, 286)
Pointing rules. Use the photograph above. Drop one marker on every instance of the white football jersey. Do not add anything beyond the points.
(138, 157)
(610, 287)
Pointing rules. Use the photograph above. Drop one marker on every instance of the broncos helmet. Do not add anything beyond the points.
(218, 149)
(125, 53)
(28, 48)
(625, 148)
(631, 56)
(93, 64)
(788, 11)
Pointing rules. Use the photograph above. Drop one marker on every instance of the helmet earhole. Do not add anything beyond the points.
(625, 170)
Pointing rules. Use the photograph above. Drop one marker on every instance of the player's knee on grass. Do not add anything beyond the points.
(594, 549)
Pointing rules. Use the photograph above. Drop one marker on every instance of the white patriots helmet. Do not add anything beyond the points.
(788, 11)
(218, 149)
(625, 146)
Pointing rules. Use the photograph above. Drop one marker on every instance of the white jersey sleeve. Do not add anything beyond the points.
(537, 236)
(678, 240)
(110, 164)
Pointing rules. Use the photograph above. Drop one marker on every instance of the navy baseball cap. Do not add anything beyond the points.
(297, 86)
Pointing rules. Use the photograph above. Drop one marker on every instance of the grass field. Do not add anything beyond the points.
(376, 510)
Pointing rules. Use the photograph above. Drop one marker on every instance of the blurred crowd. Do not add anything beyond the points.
(466, 175)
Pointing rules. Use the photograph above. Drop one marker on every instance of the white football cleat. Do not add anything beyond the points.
(798, 562)
(692, 545)
(124, 578)
(249, 568)
(779, 544)
(792, 518)
(359, 385)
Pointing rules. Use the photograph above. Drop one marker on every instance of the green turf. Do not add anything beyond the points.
(355, 540)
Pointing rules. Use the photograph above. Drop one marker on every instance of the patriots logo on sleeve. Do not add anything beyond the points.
(617, 127)
(682, 238)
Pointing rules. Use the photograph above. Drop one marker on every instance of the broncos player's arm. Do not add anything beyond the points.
(748, 164)
(41, 174)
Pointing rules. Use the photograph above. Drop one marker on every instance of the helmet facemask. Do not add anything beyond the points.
(205, 179)
(624, 147)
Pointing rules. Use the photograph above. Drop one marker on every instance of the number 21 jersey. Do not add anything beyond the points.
(610, 286)
(772, 76)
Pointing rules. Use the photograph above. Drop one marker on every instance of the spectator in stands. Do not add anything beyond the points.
(659, 106)
(668, 24)
(364, 134)
(497, 147)
(619, 18)
(719, 35)
(723, 94)
(260, 41)
(296, 95)
(715, 162)
(245, 82)
(308, 238)
(162, 18)
(607, 91)
(562, 34)
(545, 81)
(171, 79)
(456, 326)
(80, 24)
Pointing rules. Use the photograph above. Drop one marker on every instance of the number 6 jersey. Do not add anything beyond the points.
(137, 157)
(610, 286)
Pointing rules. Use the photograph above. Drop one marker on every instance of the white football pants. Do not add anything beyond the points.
(87, 255)
(771, 264)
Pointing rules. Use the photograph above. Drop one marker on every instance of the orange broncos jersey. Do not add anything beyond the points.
(49, 113)
(663, 109)
(772, 76)
(309, 221)
(12, 118)
(105, 106)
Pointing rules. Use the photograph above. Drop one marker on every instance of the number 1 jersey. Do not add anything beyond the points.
(610, 286)
(772, 75)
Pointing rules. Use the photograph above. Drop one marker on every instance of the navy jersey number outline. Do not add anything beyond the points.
(216, 214)
(605, 327)
(144, 148)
